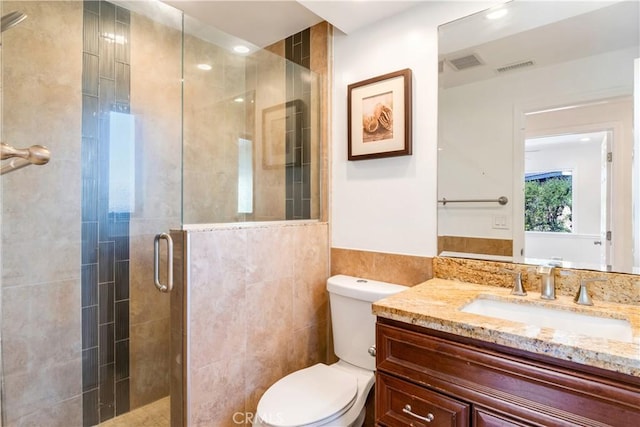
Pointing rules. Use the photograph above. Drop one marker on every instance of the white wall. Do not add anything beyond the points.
(389, 204)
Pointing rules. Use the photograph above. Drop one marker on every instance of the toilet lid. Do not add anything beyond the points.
(308, 396)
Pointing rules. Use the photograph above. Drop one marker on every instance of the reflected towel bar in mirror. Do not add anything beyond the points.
(501, 200)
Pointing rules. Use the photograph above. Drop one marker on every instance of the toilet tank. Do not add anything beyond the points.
(354, 327)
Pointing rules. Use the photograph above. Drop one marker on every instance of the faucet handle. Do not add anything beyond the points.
(518, 288)
(583, 297)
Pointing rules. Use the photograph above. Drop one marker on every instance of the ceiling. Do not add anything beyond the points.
(535, 34)
(262, 23)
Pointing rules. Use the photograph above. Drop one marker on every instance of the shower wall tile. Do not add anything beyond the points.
(310, 299)
(122, 361)
(106, 259)
(106, 302)
(89, 243)
(90, 78)
(274, 338)
(262, 244)
(122, 281)
(107, 99)
(89, 327)
(106, 344)
(227, 375)
(40, 390)
(91, 28)
(89, 291)
(90, 126)
(146, 303)
(271, 315)
(122, 397)
(298, 51)
(149, 365)
(92, 6)
(107, 392)
(36, 325)
(90, 411)
(90, 369)
(123, 82)
(122, 320)
(122, 38)
(67, 413)
(107, 39)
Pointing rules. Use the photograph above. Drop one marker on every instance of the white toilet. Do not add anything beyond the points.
(333, 395)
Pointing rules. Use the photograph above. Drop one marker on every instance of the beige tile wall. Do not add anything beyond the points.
(41, 217)
(257, 311)
(394, 268)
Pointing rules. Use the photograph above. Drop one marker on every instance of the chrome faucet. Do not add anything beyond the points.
(583, 297)
(547, 282)
(518, 289)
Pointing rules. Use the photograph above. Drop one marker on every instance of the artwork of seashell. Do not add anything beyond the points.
(370, 124)
(377, 110)
(386, 117)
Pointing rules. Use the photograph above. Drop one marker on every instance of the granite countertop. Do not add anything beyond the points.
(435, 304)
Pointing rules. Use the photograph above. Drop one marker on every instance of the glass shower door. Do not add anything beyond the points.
(85, 334)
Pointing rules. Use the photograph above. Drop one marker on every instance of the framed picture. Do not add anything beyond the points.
(379, 116)
(282, 133)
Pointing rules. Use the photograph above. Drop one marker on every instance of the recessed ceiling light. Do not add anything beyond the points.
(496, 14)
(238, 99)
(204, 67)
(241, 49)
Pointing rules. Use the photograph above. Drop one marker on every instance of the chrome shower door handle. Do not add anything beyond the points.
(156, 262)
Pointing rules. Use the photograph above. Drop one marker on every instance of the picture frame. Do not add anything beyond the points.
(281, 134)
(379, 116)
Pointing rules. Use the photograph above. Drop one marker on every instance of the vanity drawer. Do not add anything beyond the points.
(397, 400)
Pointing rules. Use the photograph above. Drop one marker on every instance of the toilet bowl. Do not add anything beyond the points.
(332, 395)
(321, 395)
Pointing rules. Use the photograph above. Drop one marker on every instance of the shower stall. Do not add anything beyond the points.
(133, 120)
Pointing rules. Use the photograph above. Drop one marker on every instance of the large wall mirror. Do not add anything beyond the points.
(535, 135)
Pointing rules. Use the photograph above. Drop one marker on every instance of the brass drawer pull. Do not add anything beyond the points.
(428, 418)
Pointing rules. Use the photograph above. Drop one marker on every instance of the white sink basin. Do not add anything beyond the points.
(550, 317)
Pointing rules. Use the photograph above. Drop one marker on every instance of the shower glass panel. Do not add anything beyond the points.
(251, 131)
(152, 122)
(85, 335)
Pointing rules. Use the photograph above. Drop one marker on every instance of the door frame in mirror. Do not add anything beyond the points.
(561, 102)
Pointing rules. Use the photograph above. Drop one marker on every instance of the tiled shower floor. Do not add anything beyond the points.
(155, 414)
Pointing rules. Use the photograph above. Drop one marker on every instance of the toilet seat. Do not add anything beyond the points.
(309, 397)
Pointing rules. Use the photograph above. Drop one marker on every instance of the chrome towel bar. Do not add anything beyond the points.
(501, 200)
(21, 157)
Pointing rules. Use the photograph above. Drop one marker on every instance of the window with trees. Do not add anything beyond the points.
(548, 201)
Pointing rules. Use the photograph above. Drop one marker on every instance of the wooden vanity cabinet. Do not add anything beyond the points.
(465, 382)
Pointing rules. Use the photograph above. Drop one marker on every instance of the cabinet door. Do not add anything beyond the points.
(400, 403)
(483, 417)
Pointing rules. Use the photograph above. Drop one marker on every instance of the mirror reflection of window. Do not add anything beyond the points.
(548, 198)
(565, 196)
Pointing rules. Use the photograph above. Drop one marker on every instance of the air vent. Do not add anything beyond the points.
(516, 66)
(465, 62)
